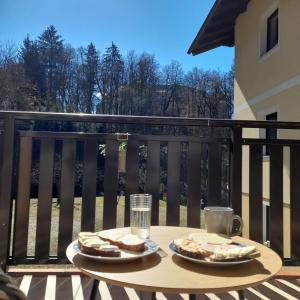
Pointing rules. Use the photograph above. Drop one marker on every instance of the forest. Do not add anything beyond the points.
(48, 74)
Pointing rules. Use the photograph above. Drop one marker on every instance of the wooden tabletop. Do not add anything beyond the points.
(172, 274)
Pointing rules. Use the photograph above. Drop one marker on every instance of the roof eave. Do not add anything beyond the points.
(218, 27)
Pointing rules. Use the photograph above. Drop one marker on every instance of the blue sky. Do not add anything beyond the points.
(165, 28)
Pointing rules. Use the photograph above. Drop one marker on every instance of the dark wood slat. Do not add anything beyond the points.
(194, 185)
(66, 196)
(5, 188)
(294, 198)
(64, 287)
(1, 147)
(117, 119)
(281, 142)
(87, 285)
(173, 197)
(214, 174)
(276, 199)
(153, 178)
(110, 184)
(255, 193)
(42, 244)
(236, 171)
(89, 186)
(99, 136)
(132, 174)
(117, 292)
(37, 288)
(23, 198)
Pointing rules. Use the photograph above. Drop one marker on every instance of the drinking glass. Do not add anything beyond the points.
(140, 214)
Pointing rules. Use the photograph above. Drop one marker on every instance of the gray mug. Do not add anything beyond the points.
(220, 220)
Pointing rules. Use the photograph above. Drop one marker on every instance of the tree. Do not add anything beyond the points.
(90, 77)
(16, 92)
(51, 50)
(172, 80)
(110, 80)
(30, 58)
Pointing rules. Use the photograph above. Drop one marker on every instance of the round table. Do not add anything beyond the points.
(172, 274)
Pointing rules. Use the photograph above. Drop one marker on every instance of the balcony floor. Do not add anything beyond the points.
(78, 287)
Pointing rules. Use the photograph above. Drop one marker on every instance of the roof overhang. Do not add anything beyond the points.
(218, 28)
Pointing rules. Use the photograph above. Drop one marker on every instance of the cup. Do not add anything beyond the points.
(220, 220)
(140, 214)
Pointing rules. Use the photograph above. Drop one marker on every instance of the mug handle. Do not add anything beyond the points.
(239, 219)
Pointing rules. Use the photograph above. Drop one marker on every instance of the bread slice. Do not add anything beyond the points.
(123, 240)
(112, 236)
(90, 243)
(187, 247)
(132, 242)
(232, 253)
(104, 250)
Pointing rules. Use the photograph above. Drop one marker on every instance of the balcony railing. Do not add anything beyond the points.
(71, 161)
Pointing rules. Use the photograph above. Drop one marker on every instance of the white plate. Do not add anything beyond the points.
(126, 255)
(209, 263)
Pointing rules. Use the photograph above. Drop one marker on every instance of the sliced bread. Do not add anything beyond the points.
(93, 245)
(123, 240)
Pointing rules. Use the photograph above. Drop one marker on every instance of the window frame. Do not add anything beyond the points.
(263, 53)
(270, 27)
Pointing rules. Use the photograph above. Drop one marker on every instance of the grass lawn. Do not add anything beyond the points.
(98, 219)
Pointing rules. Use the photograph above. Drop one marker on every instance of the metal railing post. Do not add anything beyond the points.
(236, 171)
(5, 188)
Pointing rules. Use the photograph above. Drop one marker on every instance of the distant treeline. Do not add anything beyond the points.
(47, 74)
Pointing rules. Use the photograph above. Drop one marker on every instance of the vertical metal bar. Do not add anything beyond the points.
(110, 184)
(173, 198)
(5, 188)
(132, 173)
(153, 178)
(194, 185)
(276, 199)
(214, 174)
(23, 199)
(65, 228)
(89, 185)
(236, 171)
(295, 203)
(43, 226)
(255, 193)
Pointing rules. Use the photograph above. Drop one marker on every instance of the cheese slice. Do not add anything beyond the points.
(237, 252)
(131, 239)
(113, 235)
(95, 243)
(109, 248)
(86, 234)
(209, 238)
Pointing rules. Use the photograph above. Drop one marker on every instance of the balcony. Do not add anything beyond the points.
(62, 173)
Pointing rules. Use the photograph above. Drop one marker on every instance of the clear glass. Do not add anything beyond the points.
(140, 214)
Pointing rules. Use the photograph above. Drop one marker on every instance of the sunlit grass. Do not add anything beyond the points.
(98, 220)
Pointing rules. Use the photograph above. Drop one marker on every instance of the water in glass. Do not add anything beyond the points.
(140, 214)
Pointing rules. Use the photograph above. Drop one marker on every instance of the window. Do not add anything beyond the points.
(272, 30)
(271, 133)
(269, 31)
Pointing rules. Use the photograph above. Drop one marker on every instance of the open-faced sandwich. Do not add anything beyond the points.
(90, 243)
(123, 240)
(109, 243)
(213, 247)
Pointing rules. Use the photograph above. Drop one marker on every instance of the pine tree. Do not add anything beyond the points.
(51, 50)
(111, 78)
(30, 59)
(90, 77)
